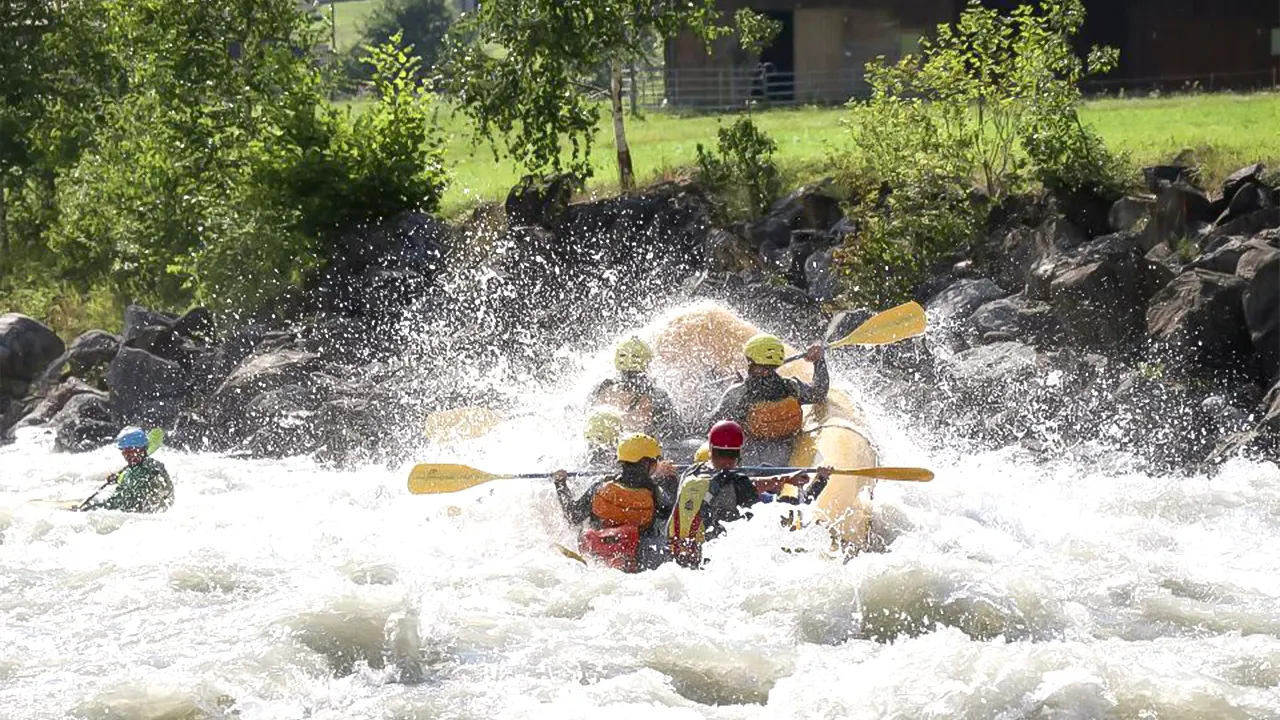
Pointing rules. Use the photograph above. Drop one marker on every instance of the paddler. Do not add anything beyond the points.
(624, 512)
(712, 494)
(767, 405)
(143, 486)
(601, 433)
(645, 407)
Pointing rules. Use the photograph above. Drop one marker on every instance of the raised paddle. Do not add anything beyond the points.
(431, 479)
(897, 323)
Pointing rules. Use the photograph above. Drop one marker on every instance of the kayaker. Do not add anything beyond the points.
(601, 433)
(143, 486)
(767, 405)
(623, 512)
(712, 494)
(645, 407)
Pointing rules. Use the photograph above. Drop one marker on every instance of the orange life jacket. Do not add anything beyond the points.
(618, 547)
(775, 420)
(616, 505)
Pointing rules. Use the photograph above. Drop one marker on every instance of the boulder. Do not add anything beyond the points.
(27, 346)
(88, 352)
(1261, 309)
(1023, 249)
(1226, 257)
(137, 317)
(808, 208)
(726, 252)
(56, 399)
(1158, 268)
(1248, 174)
(258, 374)
(1199, 318)
(959, 300)
(1130, 213)
(820, 275)
(1158, 177)
(1249, 198)
(146, 389)
(997, 316)
(541, 200)
(84, 423)
(768, 232)
(1180, 211)
(1096, 291)
(1256, 254)
(196, 324)
(1244, 226)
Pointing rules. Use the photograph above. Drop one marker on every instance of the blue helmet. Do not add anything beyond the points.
(131, 437)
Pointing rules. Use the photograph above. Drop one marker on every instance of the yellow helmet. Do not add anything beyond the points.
(632, 355)
(764, 350)
(636, 447)
(603, 428)
(702, 454)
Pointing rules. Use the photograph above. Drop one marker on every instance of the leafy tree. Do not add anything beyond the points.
(518, 69)
(992, 98)
(421, 24)
(23, 25)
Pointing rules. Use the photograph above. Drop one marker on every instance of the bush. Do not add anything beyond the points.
(742, 165)
(993, 101)
(421, 25)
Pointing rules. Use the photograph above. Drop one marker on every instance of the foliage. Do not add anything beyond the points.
(516, 68)
(755, 31)
(421, 24)
(743, 164)
(995, 98)
(199, 158)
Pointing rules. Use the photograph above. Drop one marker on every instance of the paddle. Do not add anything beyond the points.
(155, 438)
(432, 479)
(897, 323)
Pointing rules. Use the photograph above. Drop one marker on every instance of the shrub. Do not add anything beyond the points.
(742, 165)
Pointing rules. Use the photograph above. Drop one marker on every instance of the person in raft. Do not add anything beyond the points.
(143, 486)
(712, 494)
(645, 407)
(767, 405)
(623, 512)
(601, 433)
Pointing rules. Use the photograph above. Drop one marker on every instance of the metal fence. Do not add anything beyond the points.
(762, 86)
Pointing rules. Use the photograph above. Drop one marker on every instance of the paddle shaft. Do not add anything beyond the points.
(89, 499)
(751, 470)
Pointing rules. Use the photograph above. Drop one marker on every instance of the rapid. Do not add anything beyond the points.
(1084, 587)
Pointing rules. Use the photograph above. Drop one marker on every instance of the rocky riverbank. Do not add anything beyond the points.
(1150, 323)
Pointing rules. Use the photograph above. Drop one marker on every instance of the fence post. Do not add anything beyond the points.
(720, 89)
(631, 70)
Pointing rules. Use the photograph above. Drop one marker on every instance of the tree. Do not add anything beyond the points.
(421, 24)
(520, 69)
(23, 25)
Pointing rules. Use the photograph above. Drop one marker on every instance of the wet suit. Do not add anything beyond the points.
(141, 488)
(652, 549)
(768, 409)
(645, 407)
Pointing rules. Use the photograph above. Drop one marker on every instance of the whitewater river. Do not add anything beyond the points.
(277, 589)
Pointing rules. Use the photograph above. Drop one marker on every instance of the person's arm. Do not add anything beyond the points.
(817, 392)
(575, 511)
(774, 484)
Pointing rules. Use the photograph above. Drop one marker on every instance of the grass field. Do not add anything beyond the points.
(348, 16)
(1225, 131)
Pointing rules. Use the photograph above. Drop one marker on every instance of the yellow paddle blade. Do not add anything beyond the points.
(892, 325)
(445, 478)
(570, 554)
(464, 423)
(908, 474)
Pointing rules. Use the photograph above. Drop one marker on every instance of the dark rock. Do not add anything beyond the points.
(159, 340)
(88, 352)
(1160, 176)
(1087, 208)
(146, 389)
(1199, 318)
(411, 244)
(1261, 307)
(137, 317)
(997, 336)
(541, 201)
(84, 423)
(1129, 213)
(1238, 179)
(726, 252)
(1158, 268)
(27, 346)
(1262, 440)
(1180, 212)
(959, 301)
(820, 275)
(768, 232)
(997, 316)
(1096, 292)
(197, 324)
(845, 228)
(1250, 198)
(808, 208)
(1256, 255)
(1023, 249)
(257, 375)
(1245, 226)
(56, 399)
(1226, 257)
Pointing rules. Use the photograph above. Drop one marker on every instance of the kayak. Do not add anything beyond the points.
(701, 344)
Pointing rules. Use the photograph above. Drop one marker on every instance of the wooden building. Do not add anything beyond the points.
(820, 55)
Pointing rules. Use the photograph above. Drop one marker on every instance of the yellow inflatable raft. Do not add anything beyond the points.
(707, 343)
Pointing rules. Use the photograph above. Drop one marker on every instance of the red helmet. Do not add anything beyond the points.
(725, 435)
